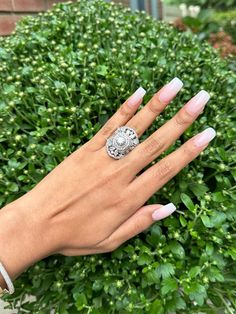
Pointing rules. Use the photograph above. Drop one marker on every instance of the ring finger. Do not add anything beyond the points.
(156, 176)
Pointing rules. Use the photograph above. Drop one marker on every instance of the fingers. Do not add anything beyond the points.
(143, 118)
(138, 222)
(161, 139)
(150, 181)
(123, 114)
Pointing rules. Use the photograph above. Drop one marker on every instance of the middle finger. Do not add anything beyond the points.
(161, 139)
(143, 118)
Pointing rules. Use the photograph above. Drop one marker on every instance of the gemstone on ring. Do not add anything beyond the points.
(121, 142)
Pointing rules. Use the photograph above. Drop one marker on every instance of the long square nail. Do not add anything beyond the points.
(170, 90)
(136, 97)
(197, 103)
(204, 137)
(164, 211)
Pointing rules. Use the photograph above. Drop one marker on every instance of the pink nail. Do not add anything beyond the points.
(204, 137)
(169, 91)
(136, 97)
(197, 103)
(164, 211)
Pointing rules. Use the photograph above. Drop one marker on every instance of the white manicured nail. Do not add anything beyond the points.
(204, 137)
(136, 97)
(169, 91)
(197, 103)
(164, 211)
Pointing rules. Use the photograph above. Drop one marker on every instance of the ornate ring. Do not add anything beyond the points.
(121, 142)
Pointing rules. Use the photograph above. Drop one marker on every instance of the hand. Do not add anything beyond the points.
(91, 203)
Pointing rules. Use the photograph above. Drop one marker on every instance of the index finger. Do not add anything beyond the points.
(122, 115)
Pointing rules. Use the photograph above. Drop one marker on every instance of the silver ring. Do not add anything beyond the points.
(121, 142)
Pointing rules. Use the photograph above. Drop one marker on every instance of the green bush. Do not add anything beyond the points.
(63, 74)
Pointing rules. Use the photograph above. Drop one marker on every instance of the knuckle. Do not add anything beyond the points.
(182, 118)
(113, 246)
(164, 169)
(189, 150)
(125, 110)
(107, 129)
(154, 105)
(138, 225)
(153, 145)
(89, 146)
(119, 202)
(108, 245)
(114, 173)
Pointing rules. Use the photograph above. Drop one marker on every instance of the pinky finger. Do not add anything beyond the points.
(138, 222)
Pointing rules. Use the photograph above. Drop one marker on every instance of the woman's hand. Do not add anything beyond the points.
(91, 203)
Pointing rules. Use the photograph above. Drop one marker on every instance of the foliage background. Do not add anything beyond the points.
(210, 4)
(62, 75)
(218, 28)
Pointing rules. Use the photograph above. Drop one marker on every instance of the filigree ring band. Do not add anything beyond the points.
(121, 142)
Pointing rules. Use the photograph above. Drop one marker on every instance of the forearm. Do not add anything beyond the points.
(23, 239)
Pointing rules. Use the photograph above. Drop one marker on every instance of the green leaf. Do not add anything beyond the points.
(206, 221)
(215, 274)
(218, 197)
(165, 270)
(146, 73)
(187, 201)
(81, 301)
(198, 189)
(156, 307)
(169, 285)
(180, 303)
(176, 303)
(194, 271)
(13, 187)
(144, 259)
(218, 218)
(156, 235)
(232, 253)
(209, 248)
(97, 285)
(102, 70)
(196, 292)
(177, 249)
(183, 221)
(13, 163)
(152, 276)
(59, 84)
(47, 149)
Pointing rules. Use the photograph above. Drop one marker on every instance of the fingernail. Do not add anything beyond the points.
(163, 212)
(168, 92)
(204, 137)
(198, 102)
(136, 97)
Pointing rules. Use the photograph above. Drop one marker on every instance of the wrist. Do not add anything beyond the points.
(2, 283)
(24, 239)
